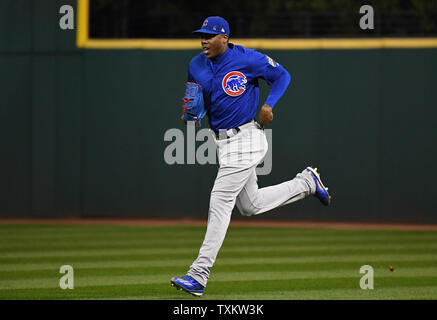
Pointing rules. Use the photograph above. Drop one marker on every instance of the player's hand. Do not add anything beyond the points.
(265, 115)
(183, 120)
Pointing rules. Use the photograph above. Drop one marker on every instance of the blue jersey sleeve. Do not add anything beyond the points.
(273, 73)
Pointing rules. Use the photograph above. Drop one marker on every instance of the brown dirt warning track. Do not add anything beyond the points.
(236, 222)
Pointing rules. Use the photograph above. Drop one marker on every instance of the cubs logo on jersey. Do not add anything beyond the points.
(234, 83)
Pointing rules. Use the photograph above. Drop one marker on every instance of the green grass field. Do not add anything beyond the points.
(136, 262)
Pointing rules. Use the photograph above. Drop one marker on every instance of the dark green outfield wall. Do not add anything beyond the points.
(82, 131)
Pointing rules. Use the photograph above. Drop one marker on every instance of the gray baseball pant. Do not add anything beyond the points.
(236, 183)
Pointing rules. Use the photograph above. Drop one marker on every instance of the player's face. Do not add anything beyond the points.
(213, 45)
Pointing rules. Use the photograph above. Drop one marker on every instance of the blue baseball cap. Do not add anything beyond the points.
(214, 25)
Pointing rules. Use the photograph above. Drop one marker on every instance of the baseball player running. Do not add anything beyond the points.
(223, 83)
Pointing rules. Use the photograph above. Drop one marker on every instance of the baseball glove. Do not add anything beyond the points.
(194, 106)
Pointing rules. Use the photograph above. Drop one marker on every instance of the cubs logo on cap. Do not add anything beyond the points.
(234, 83)
(214, 25)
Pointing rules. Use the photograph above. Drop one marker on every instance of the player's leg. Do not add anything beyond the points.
(238, 159)
(227, 186)
(252, 200)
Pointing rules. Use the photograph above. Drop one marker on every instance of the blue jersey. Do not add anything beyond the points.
(230, 84)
